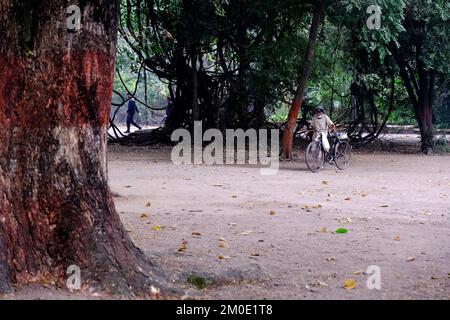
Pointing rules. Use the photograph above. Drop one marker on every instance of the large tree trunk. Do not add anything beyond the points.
(288, 135)
(55, 206)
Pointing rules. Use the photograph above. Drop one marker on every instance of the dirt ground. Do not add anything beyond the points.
(277, 233)
(241, 235)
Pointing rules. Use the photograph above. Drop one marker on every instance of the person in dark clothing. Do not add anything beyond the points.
(131, 111)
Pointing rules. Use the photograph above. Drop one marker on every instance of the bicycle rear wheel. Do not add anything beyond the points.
(315, 157)
(342, 155)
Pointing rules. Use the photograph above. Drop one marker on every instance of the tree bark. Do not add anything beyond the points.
(195, 109)
(55, 206)
(288, 135)
(420, 91)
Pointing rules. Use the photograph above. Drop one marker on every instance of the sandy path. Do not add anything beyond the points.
(395, 207)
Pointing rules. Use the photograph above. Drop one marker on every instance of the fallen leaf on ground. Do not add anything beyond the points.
(384, 206)
(196, 235)
(324, 230)
(183, 247)
(224, 257)
(234, 196)
(254, 254)
(155, 292)
(411, 259)
(309, 288)
(350, 284)
(397, 238)
(156, 228)
(223, 243)
(325, 182)
(148, 204)
(348, 199)
(358, 273)
(321, 283)
(273, 213)
(144, 216)
(342, 231)
(331, 259)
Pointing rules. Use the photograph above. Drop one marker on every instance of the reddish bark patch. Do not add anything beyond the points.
(73, 90)
(288, 135)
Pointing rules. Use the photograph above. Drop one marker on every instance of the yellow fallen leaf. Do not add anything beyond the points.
(324, 230)
(350, 284)
(156, 228)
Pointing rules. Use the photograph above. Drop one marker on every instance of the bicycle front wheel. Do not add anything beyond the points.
(342, 155)
(315, 157)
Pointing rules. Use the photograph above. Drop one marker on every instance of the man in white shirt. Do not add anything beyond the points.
(321, 123)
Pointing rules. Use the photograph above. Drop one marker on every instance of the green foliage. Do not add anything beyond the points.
(200, 282)
(251, 51)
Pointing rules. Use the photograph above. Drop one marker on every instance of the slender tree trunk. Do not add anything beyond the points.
(421, 94)
(55, 206)
(288, 135)
(195, 109)
(425, 112)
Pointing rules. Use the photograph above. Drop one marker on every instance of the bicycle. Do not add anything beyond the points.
(340, 153)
